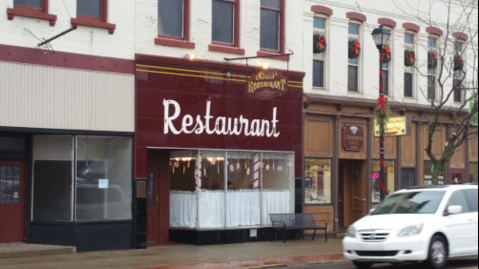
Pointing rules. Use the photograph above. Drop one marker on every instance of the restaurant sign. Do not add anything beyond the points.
(267, 85)
(353, 138)
(396, 126)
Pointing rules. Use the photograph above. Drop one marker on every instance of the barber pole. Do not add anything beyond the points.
(256, 173)
(198, 171)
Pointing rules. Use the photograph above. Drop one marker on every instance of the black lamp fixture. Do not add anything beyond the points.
(381, 36)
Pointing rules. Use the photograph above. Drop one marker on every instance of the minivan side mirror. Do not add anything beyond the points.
(454, 210)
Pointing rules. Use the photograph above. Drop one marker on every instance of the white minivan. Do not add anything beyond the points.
(430, 224)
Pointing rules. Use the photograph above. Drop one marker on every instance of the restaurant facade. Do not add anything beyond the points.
(217, 149)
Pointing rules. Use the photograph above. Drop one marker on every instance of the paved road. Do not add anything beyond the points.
(469, 264)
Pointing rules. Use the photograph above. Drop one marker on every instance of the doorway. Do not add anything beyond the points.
(158, 197)
(12, 201)
(407, 178)
(458, 177)
(353, 192)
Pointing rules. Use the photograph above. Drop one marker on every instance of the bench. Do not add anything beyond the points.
(297, 222)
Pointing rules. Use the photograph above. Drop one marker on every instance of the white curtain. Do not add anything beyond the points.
(243, 208)
(275, 202)
(183, 209)
(212, 209)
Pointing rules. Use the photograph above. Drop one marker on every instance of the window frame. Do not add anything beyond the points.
(359, 64)
(323, 55)
(235, 47)
(267, 52)
(332, 193)
(432, 49)
(413, 71)
(386, 161)
(31, 12)
(180, 42)
(461, 78)
(97, 22)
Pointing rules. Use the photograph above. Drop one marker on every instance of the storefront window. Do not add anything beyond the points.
(317, 181)
(236, 189)
(244, 194)
(390, 180)
(103, 178)
(212, 195)
(428, 174)
(52, 178)
(473, 167)
(183, 200)
(278, 180)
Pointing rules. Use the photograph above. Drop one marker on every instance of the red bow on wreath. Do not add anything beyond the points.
(382, 102)
(321, 40)
(434, 58)
(412, 56)
(356, 47)
(387, 52)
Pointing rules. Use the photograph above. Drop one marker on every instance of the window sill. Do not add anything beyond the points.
(174, 43)
(37, 14)
(269, 53)
(319, 89)
(223, 49)
(94, 23)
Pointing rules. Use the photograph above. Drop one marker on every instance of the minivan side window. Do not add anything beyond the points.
(472, 197)
(458, 198)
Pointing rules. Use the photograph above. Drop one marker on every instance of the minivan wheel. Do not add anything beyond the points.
(438, 253)
(363, 265)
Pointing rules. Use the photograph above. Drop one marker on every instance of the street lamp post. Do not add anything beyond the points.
(381, 37)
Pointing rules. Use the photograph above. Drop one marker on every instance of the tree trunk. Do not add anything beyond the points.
(438, 170)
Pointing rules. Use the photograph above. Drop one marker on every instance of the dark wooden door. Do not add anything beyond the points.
(12, 201)
(458, 177)
(407, 178)
(153, 206)
(341, 196)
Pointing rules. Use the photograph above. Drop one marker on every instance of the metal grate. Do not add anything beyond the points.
(377, 253)
(374, 236)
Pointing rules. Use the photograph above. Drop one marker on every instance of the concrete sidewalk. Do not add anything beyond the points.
(189, 257)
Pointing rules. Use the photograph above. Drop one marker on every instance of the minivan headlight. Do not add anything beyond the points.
(351, 232)
(411, 230)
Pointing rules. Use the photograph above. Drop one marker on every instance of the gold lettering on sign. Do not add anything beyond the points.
(267, 85)
(277, 85)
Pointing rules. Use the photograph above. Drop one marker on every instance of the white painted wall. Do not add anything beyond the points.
(84, 40)
(400, 11)
(201, 33)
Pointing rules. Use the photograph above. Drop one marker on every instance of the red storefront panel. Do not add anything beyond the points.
(191, 86)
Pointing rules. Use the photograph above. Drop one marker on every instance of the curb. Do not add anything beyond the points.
(260, 264)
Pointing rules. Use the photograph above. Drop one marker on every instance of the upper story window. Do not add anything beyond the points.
(409, 44)
(171, 15)
(93, 13)
(458, 73)
(386, 65)
(37, 9)
(90, 8)
(29, 3)
(353, 64)
(319, 56)
(432, 71)
(271, 25)
(224, 21)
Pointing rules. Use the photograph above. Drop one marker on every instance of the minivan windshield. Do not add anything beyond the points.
(419, 202)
